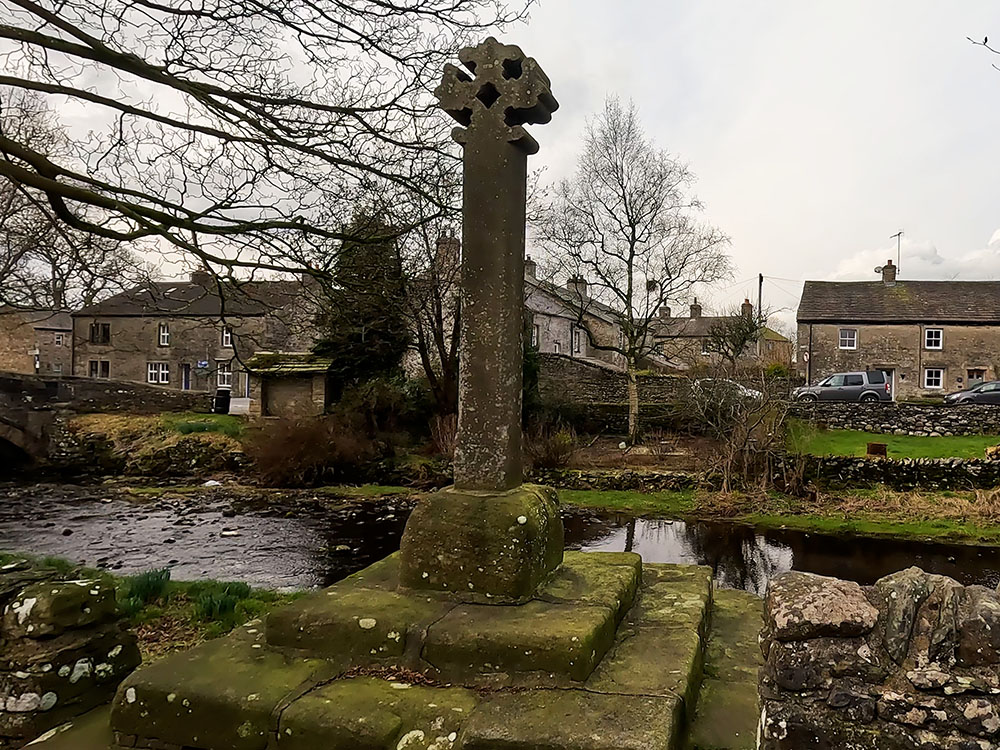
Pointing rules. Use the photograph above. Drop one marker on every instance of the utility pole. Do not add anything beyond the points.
(898, 237)
(760, 310)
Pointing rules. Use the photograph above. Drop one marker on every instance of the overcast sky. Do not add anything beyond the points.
(816, 129)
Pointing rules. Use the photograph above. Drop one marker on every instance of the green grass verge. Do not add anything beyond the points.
(938, 530)
(365, 490)
(805, 438)
(665, 503)
(189, 422)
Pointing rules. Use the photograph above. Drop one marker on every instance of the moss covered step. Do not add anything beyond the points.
(727, 713)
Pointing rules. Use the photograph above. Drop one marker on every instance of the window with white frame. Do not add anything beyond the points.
(164, 334)
(849, 338)
(224, 374)
(227, 338)
(577, 341)
(59, 339)
(57, 368)
(557, 347)
(535, 330)
(933, 338)
(704, 346)
(157, 372)
(933, 377)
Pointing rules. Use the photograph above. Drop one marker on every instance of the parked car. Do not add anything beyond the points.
(984, 393)
(872, 385)
(722, 385)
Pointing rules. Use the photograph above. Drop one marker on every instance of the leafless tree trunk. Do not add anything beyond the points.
(627, 224)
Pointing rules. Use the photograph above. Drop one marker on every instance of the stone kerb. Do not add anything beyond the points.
(912, 662)
(63, 650)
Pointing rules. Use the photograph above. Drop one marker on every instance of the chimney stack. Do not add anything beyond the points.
(747, 308)
(889, 273)
(201, 277)
(577, 285)
(665, 312)
(448, 253)
(695, 309)
(530, 267)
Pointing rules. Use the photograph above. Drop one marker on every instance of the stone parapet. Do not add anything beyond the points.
(912, 662)
(63, 650)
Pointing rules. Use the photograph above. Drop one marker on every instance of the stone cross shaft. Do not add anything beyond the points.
(504, 92)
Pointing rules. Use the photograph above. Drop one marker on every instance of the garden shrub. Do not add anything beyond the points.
(551, 447)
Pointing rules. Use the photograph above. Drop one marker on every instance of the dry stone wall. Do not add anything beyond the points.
(846, 472)
(911, 663)
(903, 419)
(63, 650)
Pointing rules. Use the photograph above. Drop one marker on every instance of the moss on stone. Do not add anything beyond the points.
(607, 579)
(565, 639)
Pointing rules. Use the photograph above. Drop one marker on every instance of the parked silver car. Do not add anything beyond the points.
(868, 386)
(984, 393)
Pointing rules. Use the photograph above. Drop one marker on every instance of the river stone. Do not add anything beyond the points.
(979, 627)
(902, 594)
(800, 606)
(573, 720)
(483, 547)
(43, 610)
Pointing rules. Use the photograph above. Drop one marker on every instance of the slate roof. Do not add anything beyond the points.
(571, 301)
(56, 320)
(973, 302)
(288, 363)
(185, 298)
(696, 328)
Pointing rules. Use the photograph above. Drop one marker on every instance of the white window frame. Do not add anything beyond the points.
(57, 368)
(223, 374)
(163, 334)
(704, 346)
(158, 373)
(940, 378)
(58, 339)
(849, 335)
(227, 338)
(940, 339)
(577, 341)
(556, 347)
(535, 334)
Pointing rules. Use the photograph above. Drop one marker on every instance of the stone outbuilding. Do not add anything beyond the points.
(36, 342)
(290, 385)
(930, 337)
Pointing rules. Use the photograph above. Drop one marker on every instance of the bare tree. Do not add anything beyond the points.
(248, 134)
(43, 262)
(626, 223)
(735, 336)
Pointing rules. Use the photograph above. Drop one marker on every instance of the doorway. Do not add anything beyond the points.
(185, 377)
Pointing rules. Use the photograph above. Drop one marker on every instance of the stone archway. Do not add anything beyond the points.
(17, 447)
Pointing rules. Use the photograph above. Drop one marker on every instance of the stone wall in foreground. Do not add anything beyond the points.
(911, 663)
(895, 418)
(63, 650)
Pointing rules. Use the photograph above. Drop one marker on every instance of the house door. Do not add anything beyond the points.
(186, 377)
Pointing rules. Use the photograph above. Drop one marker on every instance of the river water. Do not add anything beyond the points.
(297, 540)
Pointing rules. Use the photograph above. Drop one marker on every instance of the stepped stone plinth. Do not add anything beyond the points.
(607, 654)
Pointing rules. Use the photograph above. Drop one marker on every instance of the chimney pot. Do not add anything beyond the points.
(695, 309)
(530, 267)
(747, 308)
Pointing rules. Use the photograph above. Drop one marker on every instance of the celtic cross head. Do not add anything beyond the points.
(508, 91)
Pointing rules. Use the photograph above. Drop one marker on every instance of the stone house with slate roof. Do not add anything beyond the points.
(36, 342)
(931, 337)
(682, 341)
(188, 336)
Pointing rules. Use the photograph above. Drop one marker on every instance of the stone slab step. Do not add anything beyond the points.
(727, 708)
(92, 731)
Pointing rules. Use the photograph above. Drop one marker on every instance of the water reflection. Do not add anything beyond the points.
(746, 559)
(309, 544)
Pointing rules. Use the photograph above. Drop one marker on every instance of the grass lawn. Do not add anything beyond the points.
(187, 422)
(804, 438)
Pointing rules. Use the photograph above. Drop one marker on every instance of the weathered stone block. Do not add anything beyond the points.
(813, 664)
(47, 609)
(800, 606)
(564, 639)
(606, 579)
(573, 720)
(355, 624)
(372, 714)
(221, 694)
(483, 547)
(979, 627)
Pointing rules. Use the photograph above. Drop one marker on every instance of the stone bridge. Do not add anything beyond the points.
(31, 406)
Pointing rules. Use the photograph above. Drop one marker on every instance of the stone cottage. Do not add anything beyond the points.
(931, 337)
(683, 341)
(189, 336)
(291, 384)
(36, 342)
